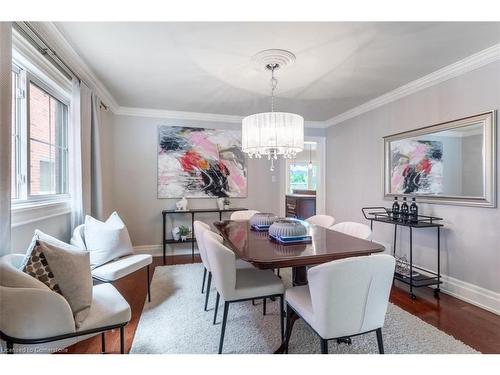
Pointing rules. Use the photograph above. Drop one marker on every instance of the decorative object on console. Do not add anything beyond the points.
(262, 221)
(200, 163)
(184, 232)
(175, 233)
(182, 205)
(227, 203)
(449, 163)
(220, 203)
(273, 133)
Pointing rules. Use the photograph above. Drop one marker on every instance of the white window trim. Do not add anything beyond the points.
(45, 75)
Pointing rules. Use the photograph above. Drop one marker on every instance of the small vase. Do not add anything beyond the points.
(175, 233)
(183, 238)
(220, 203)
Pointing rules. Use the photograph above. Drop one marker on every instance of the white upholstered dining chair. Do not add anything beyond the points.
(239, 284)
(359, 230)
(344, 298)
(199, 229)
(324, 221)
(243, 215)
(36, 319)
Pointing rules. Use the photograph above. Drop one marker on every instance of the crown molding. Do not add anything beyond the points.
(193, 116)
(66, 52)
(458, 68)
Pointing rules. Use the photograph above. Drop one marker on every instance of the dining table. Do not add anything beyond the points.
(326, 245)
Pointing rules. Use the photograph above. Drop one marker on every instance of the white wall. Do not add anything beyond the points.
(134, 187)
(471, 238)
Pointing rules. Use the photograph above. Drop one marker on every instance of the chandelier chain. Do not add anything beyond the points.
(274, 84)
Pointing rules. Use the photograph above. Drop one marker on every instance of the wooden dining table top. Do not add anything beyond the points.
(326, 245)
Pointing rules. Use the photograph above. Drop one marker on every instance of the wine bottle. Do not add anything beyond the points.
(395, 209)
(404, 210)
(413, 211)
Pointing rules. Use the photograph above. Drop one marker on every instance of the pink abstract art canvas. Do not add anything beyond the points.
(200, 163)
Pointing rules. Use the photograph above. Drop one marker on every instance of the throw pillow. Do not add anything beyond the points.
(66, 272)
(106, 241)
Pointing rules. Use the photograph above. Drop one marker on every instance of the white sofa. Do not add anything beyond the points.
(118, 268)
(35, 319)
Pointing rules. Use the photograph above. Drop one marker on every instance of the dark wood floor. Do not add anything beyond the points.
(475, 327)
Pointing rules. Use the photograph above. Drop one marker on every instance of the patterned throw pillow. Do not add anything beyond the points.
(38, 267)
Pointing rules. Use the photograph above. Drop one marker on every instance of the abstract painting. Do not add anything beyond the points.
(200, 163)
(416, 167)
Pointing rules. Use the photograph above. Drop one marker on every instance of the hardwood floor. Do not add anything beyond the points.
(475, 327)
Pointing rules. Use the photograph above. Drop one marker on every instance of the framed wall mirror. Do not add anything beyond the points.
(448, 163)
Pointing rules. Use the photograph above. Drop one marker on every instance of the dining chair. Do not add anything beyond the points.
(324, 221)
(239, 284)
(243, 215)
(354, 229)
(199, 229)
(344, 298)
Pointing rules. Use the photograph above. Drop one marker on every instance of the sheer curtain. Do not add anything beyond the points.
(85, 160)
(5, 134)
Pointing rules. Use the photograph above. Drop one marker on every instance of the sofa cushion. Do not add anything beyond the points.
(121, 267)
(65, 271)
(106, 241)
(108, 308)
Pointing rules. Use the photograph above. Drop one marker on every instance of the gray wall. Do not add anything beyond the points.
(133, 148)
(470, 246)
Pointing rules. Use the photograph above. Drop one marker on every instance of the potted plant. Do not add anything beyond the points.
(184, 232)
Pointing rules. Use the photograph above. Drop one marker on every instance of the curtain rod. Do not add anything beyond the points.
(39, 43)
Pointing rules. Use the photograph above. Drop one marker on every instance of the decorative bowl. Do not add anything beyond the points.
(263, 219)
(287, 228)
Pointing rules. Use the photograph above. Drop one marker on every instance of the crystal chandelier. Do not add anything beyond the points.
(273, 133)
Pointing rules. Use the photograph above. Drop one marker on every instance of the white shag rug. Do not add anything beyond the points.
(175, 322)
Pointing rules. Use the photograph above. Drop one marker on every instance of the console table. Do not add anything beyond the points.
(192, 213)
(383, 215)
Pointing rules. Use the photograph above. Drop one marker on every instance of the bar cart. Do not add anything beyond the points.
(412, 278)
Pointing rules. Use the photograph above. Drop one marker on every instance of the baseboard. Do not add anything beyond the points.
(470, 293)
(473, 294)
(157, 250)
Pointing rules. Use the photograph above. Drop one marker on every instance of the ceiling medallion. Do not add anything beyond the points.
(273, 133)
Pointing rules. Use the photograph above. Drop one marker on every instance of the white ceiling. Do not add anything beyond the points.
(206, 67)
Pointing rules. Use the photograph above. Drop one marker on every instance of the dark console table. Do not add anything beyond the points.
(192, 213)
(383, 215)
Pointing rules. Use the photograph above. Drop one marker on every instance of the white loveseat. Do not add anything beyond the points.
(35, 319)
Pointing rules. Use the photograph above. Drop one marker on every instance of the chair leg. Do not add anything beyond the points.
(208, 289)
(10, 347)
(122, 340)
(103, 343)
(216, 307)
(291, 317)
(380, 341)
(204, 277)
(253, 302)
(223, 330)
(264, 307)
(149, 286)
(324, 345)
(282, 325)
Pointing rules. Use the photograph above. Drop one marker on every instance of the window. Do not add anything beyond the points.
(39, 139)
(301, 177)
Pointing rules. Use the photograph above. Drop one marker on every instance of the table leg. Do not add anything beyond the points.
(163, 242)
(193, 239)
(299, 276)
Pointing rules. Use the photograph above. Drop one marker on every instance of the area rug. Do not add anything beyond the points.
(175, 322)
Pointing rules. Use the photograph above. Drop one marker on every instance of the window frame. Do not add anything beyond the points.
(309, 174)
(25, 198)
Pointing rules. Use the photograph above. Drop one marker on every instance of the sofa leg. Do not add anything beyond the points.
(103, 343)
(149, 286)
(122, 340)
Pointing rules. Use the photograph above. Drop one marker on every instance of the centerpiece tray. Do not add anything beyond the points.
(291, 239)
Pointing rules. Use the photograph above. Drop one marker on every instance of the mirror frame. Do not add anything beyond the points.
(488, 119)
